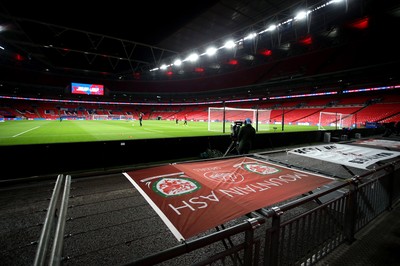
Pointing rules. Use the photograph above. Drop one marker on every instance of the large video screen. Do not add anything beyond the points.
(88, 89)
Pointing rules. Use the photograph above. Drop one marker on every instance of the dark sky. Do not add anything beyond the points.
(141, 21)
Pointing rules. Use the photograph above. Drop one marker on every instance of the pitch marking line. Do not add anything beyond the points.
(25, 132)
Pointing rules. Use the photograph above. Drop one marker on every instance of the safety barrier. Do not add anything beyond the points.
(60, 202)
(302, 231)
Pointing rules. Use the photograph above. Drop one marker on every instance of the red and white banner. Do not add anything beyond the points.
(196, 196)
(351, 155)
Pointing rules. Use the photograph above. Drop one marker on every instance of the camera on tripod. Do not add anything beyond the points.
(235, 127)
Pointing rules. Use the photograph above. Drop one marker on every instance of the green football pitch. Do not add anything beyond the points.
(55, 131)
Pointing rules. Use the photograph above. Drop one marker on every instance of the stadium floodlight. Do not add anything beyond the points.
(229, 44)
(232, 43)
(211, 51)
(301, 15)
(192, 57)
(178, 62)
(250, 36)
(271, 28)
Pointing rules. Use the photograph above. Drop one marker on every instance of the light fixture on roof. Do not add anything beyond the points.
(232, 43)
(229, 44)
(178, 62)
(211, 51)
(272, 27)
(192, 57)
(302, 15)
(250, 36)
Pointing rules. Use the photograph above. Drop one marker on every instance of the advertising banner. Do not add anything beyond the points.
(193, 197)
(350, 155)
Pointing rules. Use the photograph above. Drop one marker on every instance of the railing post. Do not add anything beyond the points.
(351, 211)
(391, 187)
(272, 238)
(249, 241)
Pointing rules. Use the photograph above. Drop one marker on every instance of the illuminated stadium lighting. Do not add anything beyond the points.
(232, 43)
(178, 62)
(229, 44)
(211, 51)
(334, 2)
(302, 15)
(192, 57)
(272, 28)
(250, 36)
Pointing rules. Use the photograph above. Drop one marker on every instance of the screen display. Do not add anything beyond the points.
(88, 89)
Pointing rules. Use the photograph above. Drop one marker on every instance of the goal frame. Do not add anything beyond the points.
(338, 121)
(220, 119)
(99, 117)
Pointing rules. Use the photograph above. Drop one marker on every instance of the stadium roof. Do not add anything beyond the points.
(120, 38)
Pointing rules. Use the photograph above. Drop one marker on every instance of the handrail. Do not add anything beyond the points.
(267, 213)
(56, 253)
(49, 222)
(45, 235)
(185, 247)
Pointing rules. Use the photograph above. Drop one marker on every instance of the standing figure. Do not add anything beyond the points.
(141, 118)
(246, 136)
(185, 120)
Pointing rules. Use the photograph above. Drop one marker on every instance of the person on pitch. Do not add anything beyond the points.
(141, 118)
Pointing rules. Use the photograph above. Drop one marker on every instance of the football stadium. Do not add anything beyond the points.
(230, 133)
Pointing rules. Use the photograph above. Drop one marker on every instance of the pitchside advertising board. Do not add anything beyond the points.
(193, 197)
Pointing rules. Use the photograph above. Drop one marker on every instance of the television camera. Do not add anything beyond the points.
(235, 128)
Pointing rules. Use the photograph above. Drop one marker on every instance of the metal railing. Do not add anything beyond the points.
(290, 237)
(53, 218)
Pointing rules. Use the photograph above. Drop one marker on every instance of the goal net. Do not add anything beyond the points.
(220, 119)
(329, 120)
(120, 117)
(99, 117)
(112, 117)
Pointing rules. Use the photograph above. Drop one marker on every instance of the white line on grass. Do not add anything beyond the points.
(152, 130)
(24, 132)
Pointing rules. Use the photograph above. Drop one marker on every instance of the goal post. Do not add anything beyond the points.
(221, 118)
(123, 117)
(112, 117)
(329, 120)
(100, 117)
